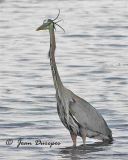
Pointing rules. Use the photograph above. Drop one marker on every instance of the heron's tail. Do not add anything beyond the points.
(109, 140)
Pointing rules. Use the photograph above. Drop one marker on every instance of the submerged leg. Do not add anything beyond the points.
(84, 135)
(73, 136)
(84, 139)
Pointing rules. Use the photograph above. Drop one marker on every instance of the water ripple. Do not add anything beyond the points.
(92, 61)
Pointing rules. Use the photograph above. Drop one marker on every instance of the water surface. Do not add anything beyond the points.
(92, 60)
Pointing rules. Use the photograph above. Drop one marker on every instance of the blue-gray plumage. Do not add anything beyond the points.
(76, 114)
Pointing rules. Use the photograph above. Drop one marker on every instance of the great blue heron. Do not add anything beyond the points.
(76, 114)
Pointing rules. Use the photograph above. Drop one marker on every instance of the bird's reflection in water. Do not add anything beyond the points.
(79, 152)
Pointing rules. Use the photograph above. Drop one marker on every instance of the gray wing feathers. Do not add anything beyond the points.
(87, 116)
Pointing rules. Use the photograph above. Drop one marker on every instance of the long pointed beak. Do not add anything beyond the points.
(40, 28)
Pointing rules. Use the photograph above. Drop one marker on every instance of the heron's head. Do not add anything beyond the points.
(46, 25)
(49, 23)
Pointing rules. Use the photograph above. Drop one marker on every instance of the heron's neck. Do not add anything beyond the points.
(56, 78)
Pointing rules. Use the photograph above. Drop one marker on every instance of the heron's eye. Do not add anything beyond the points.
(45, 21)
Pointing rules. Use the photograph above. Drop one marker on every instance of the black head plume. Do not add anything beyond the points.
(56, 23)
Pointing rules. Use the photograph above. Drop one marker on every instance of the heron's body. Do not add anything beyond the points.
(76, 114)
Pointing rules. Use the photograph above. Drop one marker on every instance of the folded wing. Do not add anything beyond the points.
(88, 117)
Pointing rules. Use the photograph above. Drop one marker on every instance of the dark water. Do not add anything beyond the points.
(92, 58)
